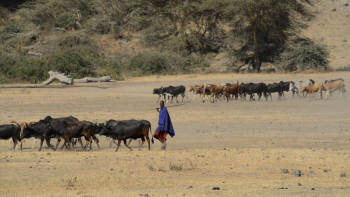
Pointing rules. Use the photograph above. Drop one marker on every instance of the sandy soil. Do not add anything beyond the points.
(240, 147)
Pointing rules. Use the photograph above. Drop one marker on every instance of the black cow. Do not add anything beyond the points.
(175, 91)
(147, 124)
(126, 129)
(48, 128)
(160, 92)
(253, 88)
(40, 130)
(279, 88)
(274, 88)
(284, 86)
(170, 92)
(11, 131)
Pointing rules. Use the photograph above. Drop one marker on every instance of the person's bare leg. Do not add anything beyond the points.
(163, 146)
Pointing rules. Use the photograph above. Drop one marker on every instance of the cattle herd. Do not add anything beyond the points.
(70, 129)
(229, 91)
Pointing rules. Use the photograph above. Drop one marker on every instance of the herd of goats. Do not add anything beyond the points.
(212, 92)
(71, 130)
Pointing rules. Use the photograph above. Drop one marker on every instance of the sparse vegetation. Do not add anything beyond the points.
(175, 167)
(171, 36)
(303, 54)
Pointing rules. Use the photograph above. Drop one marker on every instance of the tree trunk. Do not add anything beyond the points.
(93, 79)
(256, 60)
(66, 80)
(58, 76)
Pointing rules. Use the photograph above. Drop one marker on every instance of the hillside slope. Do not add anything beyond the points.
(331, 26)
(92, 38)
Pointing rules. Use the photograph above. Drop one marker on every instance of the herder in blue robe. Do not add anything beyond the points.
(165, 126)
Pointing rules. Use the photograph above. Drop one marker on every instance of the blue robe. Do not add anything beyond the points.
(164, 122)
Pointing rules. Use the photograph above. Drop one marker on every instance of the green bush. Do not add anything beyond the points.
(9, 30)
(303, 54)
(65, 14)
(155, 62)
(23, 69)
(72, 40)
(3, 15)
(77, 64)
(100, 25)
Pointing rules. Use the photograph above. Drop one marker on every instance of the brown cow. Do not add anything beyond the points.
(334, 85)
(213, 91)
(216, 92)
(231, 90)
(22, 126)
(196, 89)
(79, 129)
(314, 88)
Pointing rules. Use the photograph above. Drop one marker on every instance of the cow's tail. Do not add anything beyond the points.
(150, 130)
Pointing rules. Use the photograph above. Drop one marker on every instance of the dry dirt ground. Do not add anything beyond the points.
(243, 148)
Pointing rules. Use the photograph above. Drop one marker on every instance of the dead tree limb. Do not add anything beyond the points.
(58, 76)
(93, 79)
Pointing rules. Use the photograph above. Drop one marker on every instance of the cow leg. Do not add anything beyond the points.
(69, 140)
(48, 144)
(148, 141)
(129, 141)
(14, 143)
(141, 143)
(88, 140)
(119, 141)
(58, 143)
(127, 144)
(81, 142)
(86, 143)
(41, 143)
(96, 141)
(111, 142)
(259, 94)
(20, 141)
(64, 145)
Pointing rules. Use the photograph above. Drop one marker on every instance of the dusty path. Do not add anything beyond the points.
(240, 147)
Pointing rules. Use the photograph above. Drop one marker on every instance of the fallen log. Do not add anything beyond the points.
(69, 81)
(93, 79)
(58, 76)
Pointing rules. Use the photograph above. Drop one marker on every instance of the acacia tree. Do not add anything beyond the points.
(184, 26)
(262, 27)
